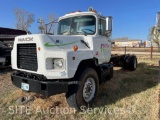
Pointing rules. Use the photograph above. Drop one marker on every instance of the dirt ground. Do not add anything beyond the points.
(128, 95)
(5, 81)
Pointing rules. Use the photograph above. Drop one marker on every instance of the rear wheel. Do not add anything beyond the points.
(133, 63)
(130, 63)
(85, 93)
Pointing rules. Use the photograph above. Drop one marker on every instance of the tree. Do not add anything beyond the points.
(51, 20)
(42, 25)
(24, 19)
(46, 26)
(155, 36)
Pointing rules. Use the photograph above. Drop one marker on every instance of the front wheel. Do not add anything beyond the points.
(83, 95)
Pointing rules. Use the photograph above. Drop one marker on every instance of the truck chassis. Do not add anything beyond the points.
(75, 61)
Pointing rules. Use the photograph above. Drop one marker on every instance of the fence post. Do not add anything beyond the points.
(159, 71)
(125, 50)
(151, 52)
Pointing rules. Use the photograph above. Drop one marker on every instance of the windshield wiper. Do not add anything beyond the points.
(65, 32)
(83, 33)
(85, 43)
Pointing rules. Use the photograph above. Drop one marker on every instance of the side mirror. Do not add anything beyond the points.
(109, 23)
(108, 32)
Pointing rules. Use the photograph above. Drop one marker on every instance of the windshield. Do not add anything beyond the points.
(80, 25)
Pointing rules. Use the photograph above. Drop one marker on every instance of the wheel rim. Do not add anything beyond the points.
(135, 63)
(89, 89)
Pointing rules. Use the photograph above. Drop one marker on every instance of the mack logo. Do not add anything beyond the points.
(25, 39)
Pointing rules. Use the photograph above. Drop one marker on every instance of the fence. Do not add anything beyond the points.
(135, 49)
(159, 71)
(140, 50)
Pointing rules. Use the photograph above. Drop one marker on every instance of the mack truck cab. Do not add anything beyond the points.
(75, 61)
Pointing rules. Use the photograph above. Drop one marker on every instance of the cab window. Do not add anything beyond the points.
(101, 27)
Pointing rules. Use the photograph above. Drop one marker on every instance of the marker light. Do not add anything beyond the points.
(39, 48)
(73, 58)
(94, 11)
(75, 48)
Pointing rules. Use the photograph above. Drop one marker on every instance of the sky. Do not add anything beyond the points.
(131, 18)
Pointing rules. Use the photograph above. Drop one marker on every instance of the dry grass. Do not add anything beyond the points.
(129, 95)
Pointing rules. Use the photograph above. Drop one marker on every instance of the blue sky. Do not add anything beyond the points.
(132, 18)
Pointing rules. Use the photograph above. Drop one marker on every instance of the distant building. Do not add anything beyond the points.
(122, 42)
(147, 43)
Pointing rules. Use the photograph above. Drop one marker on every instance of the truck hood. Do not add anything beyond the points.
(57, 42)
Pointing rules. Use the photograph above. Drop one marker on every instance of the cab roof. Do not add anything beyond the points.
(80, 13)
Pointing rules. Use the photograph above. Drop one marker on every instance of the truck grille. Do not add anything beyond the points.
(27, 57)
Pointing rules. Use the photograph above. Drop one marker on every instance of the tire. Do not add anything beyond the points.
(126, 62)
(133, 63)
(85, 93)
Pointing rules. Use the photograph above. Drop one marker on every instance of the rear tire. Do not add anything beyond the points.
(133, 63)
(83, 94)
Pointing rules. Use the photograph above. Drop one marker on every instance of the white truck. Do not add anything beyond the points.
(75, 61)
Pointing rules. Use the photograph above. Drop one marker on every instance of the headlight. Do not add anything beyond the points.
(58, 63)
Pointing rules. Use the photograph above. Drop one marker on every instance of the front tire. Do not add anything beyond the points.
(84, 94)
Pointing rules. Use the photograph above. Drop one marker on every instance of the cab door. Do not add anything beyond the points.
(102, 44)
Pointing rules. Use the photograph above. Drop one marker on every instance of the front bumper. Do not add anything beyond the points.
(46, 88)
